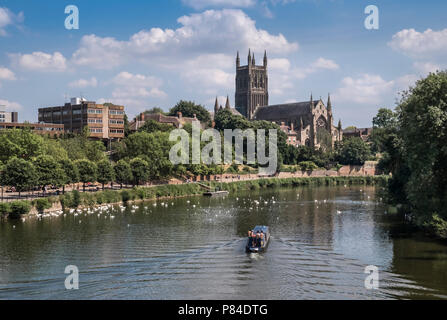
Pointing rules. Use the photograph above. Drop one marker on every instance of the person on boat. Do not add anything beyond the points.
(253, 239)
(262, 239)
(258, 239)
(250, 241)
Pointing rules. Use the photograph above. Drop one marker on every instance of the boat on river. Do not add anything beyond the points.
(215, 193)
(256, 245)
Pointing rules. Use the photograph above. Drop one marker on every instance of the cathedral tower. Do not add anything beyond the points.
(251, 86)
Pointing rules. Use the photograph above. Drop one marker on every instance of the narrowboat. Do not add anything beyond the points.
(258, 244)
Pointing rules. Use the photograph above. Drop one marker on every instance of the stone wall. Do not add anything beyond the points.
(368, 169)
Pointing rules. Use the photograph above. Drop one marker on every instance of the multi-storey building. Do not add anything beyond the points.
(104, 121)
(38, 128)
(8, 116)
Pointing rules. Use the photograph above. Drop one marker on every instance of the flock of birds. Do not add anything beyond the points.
(109, 211)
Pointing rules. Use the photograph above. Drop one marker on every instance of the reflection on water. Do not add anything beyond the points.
(322, 240)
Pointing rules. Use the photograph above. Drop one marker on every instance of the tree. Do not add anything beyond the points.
(384, 127)
(80, 147)
(422, 131)
(154, 110)
(49, 171)
(71, 173)
(153, 126)
(123, 172)
(87, 171)
(354, 151)
(189, 109)
(385, 118)
(152, 147)
(140, 170)
(106, 173)
(20, 143)
(20, 174)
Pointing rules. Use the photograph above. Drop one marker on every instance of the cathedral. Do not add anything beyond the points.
(311, 122)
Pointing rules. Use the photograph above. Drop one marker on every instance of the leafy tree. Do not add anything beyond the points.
(154, 110)
(385, 125)
(20, 174)
(126, 126)
(385, 118)
(54, 148)
(189, 108)
(422, 114)
(152, 147)
(140, 170)
(80, 147)
(49, 171)
(123, 172)
(20, 143)
(153, 126)
(354, 151)
(106, 173)
(71, 173)
(87, 171)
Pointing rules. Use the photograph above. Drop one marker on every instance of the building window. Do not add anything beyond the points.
(116, 112)
(78, 111)
(116, 121)
(116, 131)
(94, 111)
(94, 120)
(96, 130)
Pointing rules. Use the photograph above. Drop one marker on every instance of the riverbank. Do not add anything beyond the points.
(75, 199)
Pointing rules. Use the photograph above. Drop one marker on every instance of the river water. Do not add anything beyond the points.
(193, 248)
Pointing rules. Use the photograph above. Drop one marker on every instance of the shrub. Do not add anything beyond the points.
(76, 200)
(42, 204)
(126, 196)
(4, 208)
(19, 207)
(308, 165)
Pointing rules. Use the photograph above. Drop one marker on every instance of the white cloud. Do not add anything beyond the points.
(209, 32)
(8, 18)
(128, 79)
(279, 65)
(209, 72)
(10, 106)
(41, 61)
(135, 91)
(6, 74)
(283, 77)
(322, 63)
(426, 67)
(420, 44)
(84, 83)
(405, 81)
(102, 53)
(200, 4)
(367, 89)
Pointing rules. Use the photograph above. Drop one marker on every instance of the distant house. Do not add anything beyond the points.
(293, 138)
(177, 121)
(363, 133)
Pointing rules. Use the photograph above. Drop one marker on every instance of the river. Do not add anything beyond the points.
(193, 248)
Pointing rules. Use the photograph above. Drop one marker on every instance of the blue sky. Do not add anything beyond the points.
(153, 53)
